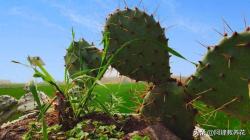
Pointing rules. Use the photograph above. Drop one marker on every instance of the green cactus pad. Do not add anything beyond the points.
(168, 103)
(144, 55)
(222, 77)
(82, 56)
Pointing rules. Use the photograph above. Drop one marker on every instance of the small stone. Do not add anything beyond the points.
(6, 102)
(8, 106)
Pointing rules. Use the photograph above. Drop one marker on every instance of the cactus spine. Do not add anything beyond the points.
(168, 103)
(222, 77)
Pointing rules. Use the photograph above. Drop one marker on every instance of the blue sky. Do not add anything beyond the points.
(43, 28)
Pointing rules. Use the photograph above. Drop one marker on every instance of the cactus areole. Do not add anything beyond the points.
(168, 103)
(144, 56)
(222, 77)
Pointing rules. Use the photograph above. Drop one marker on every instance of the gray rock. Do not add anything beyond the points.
(27, 103)
(23, 117)
(8, 105)
(7, 102)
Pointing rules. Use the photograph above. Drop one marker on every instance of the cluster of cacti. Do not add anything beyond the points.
(221, 80)
(81, 56)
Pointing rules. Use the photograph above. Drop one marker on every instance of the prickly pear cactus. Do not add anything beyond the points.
(222, 77)
(8, 106)
(82, 56)
(144, 55)
(168, 103)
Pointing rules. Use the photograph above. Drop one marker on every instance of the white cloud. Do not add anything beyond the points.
(22, 12)
(171, 5)
(104, 5)
(90, 22)
(194, 26)
(186, 23)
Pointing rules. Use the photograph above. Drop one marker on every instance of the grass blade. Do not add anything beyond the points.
(33, 90)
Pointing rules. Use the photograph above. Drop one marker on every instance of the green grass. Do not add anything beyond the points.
(221, 122)
(126, 91)
(129, 92)
(16, 90)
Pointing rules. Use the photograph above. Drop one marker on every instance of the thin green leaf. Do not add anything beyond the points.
(33, 90)
(45, 108)
(44, 129)
(73, 34)
(101, 84)
(84, 72)
(103, 106)
(170, 50)
(175, 53)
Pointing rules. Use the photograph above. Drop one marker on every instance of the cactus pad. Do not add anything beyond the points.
(222, 77)
(82, 56)
(168, 103)
(144, 55)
